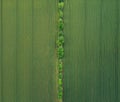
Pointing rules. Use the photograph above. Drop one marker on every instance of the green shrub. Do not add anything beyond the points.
(60, 75)
(58, 43)
(60, 13)
(60, 67)
(61, 93)
(61, 5)
(60, 33)
(60, 49)
(59, 96)
(61, 24)
(61, 39)
(60, 82)
(60, 52)
(60, 89)
(60, 20)
(60, 61)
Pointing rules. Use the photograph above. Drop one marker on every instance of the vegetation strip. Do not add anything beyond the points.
(60, 48)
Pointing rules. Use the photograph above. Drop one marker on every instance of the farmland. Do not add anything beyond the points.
(89, 58)
(27, 51)
(91, 62)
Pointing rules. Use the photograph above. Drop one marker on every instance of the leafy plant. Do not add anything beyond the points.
(60, 49)
(60, 33)
(61, 24)
(59, 96)
(60, 76)
(60, 52)
(60, 82)
(60, 20)
(60, 67)
(61, 5)
(61, 39)
(60, 88)
(60, 61)
(60, 93)
(60, 13)
(61, 0)
(58, 43)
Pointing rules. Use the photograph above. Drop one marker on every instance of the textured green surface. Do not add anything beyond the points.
(27, 51)
(91, 64)
(0, 55)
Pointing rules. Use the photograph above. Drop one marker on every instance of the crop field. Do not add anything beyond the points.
(92, 44)
(89, 60)
(27, 51)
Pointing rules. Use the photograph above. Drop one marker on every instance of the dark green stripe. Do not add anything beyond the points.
(1, 53)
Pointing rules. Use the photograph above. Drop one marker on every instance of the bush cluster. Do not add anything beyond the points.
(60, 47)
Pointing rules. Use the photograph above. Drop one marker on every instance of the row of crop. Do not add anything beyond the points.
(60, 47)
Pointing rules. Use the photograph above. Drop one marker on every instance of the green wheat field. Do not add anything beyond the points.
(91, 62)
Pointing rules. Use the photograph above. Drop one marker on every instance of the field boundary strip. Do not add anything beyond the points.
(60, 48)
